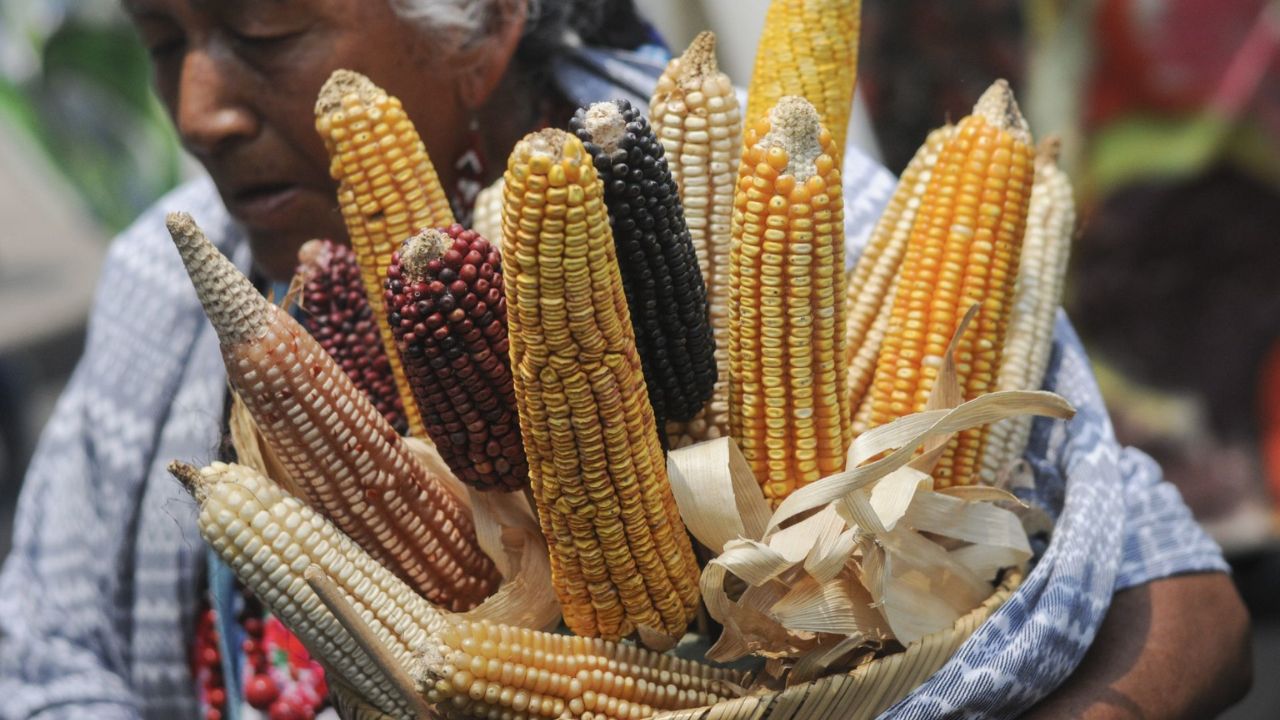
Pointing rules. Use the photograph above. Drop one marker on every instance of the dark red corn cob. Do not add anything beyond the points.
(335, 310)
(448, 310)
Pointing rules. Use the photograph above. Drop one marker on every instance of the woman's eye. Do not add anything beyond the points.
(266, 41)
(160, 49)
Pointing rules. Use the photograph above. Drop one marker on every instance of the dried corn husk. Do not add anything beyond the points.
(862, 557)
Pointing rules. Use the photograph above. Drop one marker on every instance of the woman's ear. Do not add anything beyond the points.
(490, 55)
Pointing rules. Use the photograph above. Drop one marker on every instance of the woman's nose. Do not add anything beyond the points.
(211, 111)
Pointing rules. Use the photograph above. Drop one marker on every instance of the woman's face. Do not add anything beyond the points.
(240, 79)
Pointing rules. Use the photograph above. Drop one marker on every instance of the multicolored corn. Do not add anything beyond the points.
(620, 557)
(335, 446)
(480, 669)
(787, 406)
(964, 249)
(448, 311)
(695, 114)
(808, 48)
(336, 312)
(1042, 273)
(269, 539)
(870, 287)
(664, 289)
(387, 188)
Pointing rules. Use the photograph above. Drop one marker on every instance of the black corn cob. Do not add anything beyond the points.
(448, 310)
(336, 312)
(664, 287)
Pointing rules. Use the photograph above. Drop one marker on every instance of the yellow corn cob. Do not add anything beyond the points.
(487, 217)
(270, 538)
(620, 557)
(963, 249)
(479, 669)
(387, 189)
(808, 48)
(332, 441)
(871, 283)
(787, 406)
(864, 363)
(695, 114)
(1041, 276)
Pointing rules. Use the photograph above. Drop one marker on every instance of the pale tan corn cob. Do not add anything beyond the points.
(964, 249)
(487, 217)
(870, 286)
(808, 48)
(1041, 276)
(695, 114)
(620, 557)
(270, 538)
(479, 669)
(387, 189)
(334, 443)
(787, 406)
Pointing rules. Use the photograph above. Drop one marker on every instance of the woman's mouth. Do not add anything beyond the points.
(264, 205)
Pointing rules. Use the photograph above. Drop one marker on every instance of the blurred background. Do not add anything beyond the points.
(1169, 113)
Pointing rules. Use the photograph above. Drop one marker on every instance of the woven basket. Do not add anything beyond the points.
(860, 694)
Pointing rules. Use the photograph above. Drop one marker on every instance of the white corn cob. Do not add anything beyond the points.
(870, 286)
(1041, 276)
(695, 114)
(486, 219)
(270, 538)
(480, 669)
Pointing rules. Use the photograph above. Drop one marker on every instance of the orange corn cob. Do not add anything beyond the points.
(387, 188)
(787, 407)
(620, 557)
(336, 447)
(964, 249)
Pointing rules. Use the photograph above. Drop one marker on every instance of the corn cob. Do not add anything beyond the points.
(665, 293)
(963, 249)
(1041, 277)
(870, 286)
(270, 538)
(619, 555)
(479, 669)
(332, 441)
(695, 114)
(336, 312)
(487, 216)
(808, 48)
(387, 188)
(449, 314)
(787, 408)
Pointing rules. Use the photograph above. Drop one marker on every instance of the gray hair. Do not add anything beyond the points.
(550, 25)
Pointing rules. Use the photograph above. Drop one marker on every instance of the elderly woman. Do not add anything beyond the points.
(101, 601)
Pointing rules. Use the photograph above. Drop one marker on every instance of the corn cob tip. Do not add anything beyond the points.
(420, 249)
(699, 59)
(1048, 151)
(188, 475)
(341, 84)
(794, 127)
(236, 309)
(604, 122)
(548, 142)
(998, 107)
(313, 254)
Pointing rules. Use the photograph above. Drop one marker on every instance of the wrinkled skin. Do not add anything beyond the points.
(240, 79)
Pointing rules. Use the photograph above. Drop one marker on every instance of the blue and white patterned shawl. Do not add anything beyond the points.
(97, 599)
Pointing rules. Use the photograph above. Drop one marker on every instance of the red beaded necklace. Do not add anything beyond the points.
(282, 680)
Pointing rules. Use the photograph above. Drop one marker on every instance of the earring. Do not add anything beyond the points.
(468, 174)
